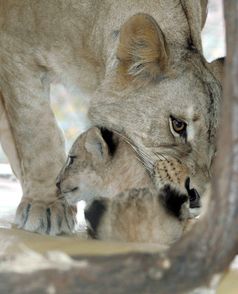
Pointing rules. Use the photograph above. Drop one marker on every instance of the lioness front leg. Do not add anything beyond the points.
(40, 147)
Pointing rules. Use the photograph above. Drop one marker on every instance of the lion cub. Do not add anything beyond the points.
(101, 170)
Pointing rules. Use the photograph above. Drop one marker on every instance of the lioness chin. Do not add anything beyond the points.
(141, 63)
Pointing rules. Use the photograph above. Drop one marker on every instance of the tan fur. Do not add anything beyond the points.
(7, 139)
(170, 170)
(139, 216)
(132, 215)
(95, 175)
(107, 49)
(141, 45)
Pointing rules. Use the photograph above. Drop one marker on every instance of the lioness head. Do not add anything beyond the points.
(163, 97)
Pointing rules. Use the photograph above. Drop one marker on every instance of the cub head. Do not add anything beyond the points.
(100, 163)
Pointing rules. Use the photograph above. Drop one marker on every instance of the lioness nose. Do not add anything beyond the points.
(194, 197)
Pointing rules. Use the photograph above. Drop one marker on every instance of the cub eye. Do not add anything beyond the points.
(178, 125)
(70, 160)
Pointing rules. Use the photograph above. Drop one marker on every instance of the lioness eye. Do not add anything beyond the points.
(178, 125)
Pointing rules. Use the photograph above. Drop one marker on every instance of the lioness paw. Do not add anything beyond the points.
(46, 218)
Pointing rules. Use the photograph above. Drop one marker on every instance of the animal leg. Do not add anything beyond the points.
(39, 145)
(7, 141)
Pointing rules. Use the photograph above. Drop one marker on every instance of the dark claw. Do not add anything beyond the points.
(26, 214)
(48, 216)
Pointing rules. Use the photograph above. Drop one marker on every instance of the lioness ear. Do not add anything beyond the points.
(142, 51)
(217, 68)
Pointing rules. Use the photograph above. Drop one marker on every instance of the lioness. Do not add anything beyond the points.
(103, 170)
(143, 66)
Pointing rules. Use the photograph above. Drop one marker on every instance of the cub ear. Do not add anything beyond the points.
(142, 51)
(217, 67)
(96, 145)
(101, 143)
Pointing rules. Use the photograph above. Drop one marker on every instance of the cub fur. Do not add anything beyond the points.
(138, 215)
(103, 170)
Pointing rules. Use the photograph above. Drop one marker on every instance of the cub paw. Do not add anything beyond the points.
(46, 218)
